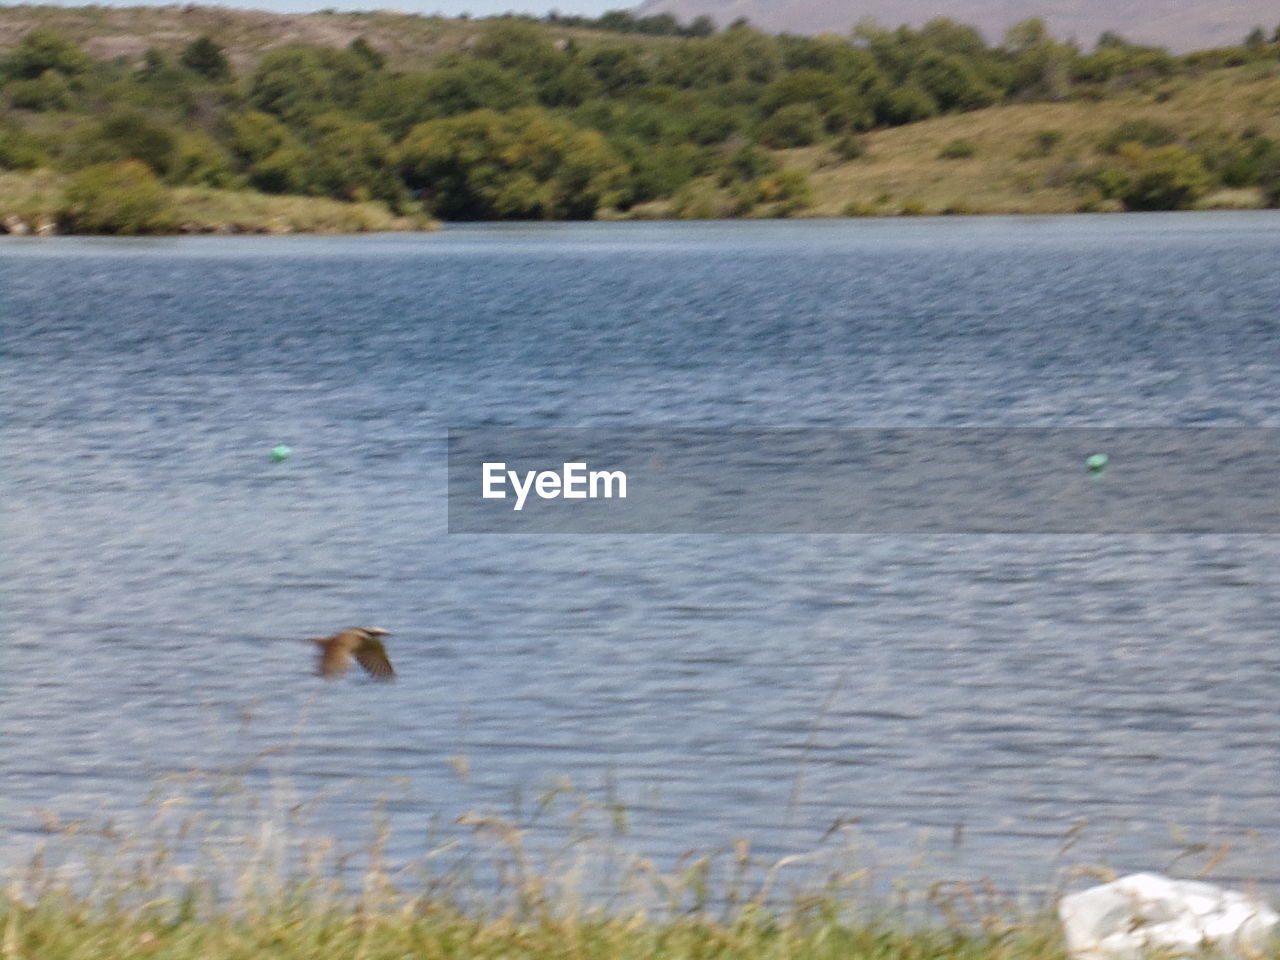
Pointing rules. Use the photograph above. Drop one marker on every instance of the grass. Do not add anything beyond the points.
(228, 865)
(108, 32)
(246, 211)
(36, 198)
(1013, 169)
(1013, 159)
(223, 871)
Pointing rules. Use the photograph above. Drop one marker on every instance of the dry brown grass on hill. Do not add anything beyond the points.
(110, 32)
(1007, 172)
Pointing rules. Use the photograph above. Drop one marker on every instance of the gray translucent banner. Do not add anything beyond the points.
(931, 480)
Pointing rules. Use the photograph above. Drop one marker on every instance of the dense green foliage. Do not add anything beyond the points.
(522, 122)
(122, 198)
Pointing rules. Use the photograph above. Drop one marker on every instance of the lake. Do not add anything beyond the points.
(965, 705)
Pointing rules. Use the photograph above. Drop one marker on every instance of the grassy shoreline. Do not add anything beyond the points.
(1026, 158)
(66, 930)
(193, 119)
(35, 203)
(227, 864)
(151, 906)
(221, 869)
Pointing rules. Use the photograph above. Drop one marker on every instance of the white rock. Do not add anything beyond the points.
(1142, 912)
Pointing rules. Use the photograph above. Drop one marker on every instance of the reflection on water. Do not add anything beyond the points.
(160, 571)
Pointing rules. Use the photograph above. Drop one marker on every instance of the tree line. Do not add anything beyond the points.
(527, 123)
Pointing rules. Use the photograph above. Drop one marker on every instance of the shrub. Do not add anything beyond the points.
(42, 50)
(206, 58)
(1046, 141)
(1269, 177)
(907, 105)
(287, 170)
(19, 150)
(295, 83)
(254, 135)
(851, 147)
(789, 189)
(351, 160)
(49, 91)
(199, 160)
(958, 150)
(127, 135)
(1148, 133)
(121, 198)
(360, 47)
(696, 201)
(526, 164)
(797, 125)
(1166, 178)
(952, 82)
(859, 208)
(748, 162)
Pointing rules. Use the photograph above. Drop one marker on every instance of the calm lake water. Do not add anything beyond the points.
(971, 700)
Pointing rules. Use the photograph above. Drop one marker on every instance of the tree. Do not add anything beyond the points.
(1041, 64)
(617, 69)
(295, 83)
(49, 91)
(795, 125)
(206, 58)
(128, 135)
(477, 85)
(701, 26)
(351, 160)
(360, 47)
(907, 105)
(952, 83)
(19, 150)
(42, 50)
(944, 34)
(199, 159)
(526, 164)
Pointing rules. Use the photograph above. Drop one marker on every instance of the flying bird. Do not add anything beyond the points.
(363, 644)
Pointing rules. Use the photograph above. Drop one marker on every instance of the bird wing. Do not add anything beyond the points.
(372, 655)
(334, 658)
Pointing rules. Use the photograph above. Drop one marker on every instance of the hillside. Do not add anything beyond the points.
(1034, 158)
(1014, 170)
(127, 120)
(106, 33)
(1176, 24)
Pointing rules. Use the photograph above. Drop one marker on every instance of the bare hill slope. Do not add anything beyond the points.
(1180, 25)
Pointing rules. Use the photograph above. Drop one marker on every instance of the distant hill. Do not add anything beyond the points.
(1180, 25)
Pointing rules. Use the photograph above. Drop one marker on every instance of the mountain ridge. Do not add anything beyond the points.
(1180, 25)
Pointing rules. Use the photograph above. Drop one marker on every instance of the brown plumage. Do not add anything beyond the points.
(363, 644)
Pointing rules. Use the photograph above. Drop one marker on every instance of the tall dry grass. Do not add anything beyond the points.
(220, 869)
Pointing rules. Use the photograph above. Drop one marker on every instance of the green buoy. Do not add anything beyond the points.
(1096, 463)
(279, 453)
